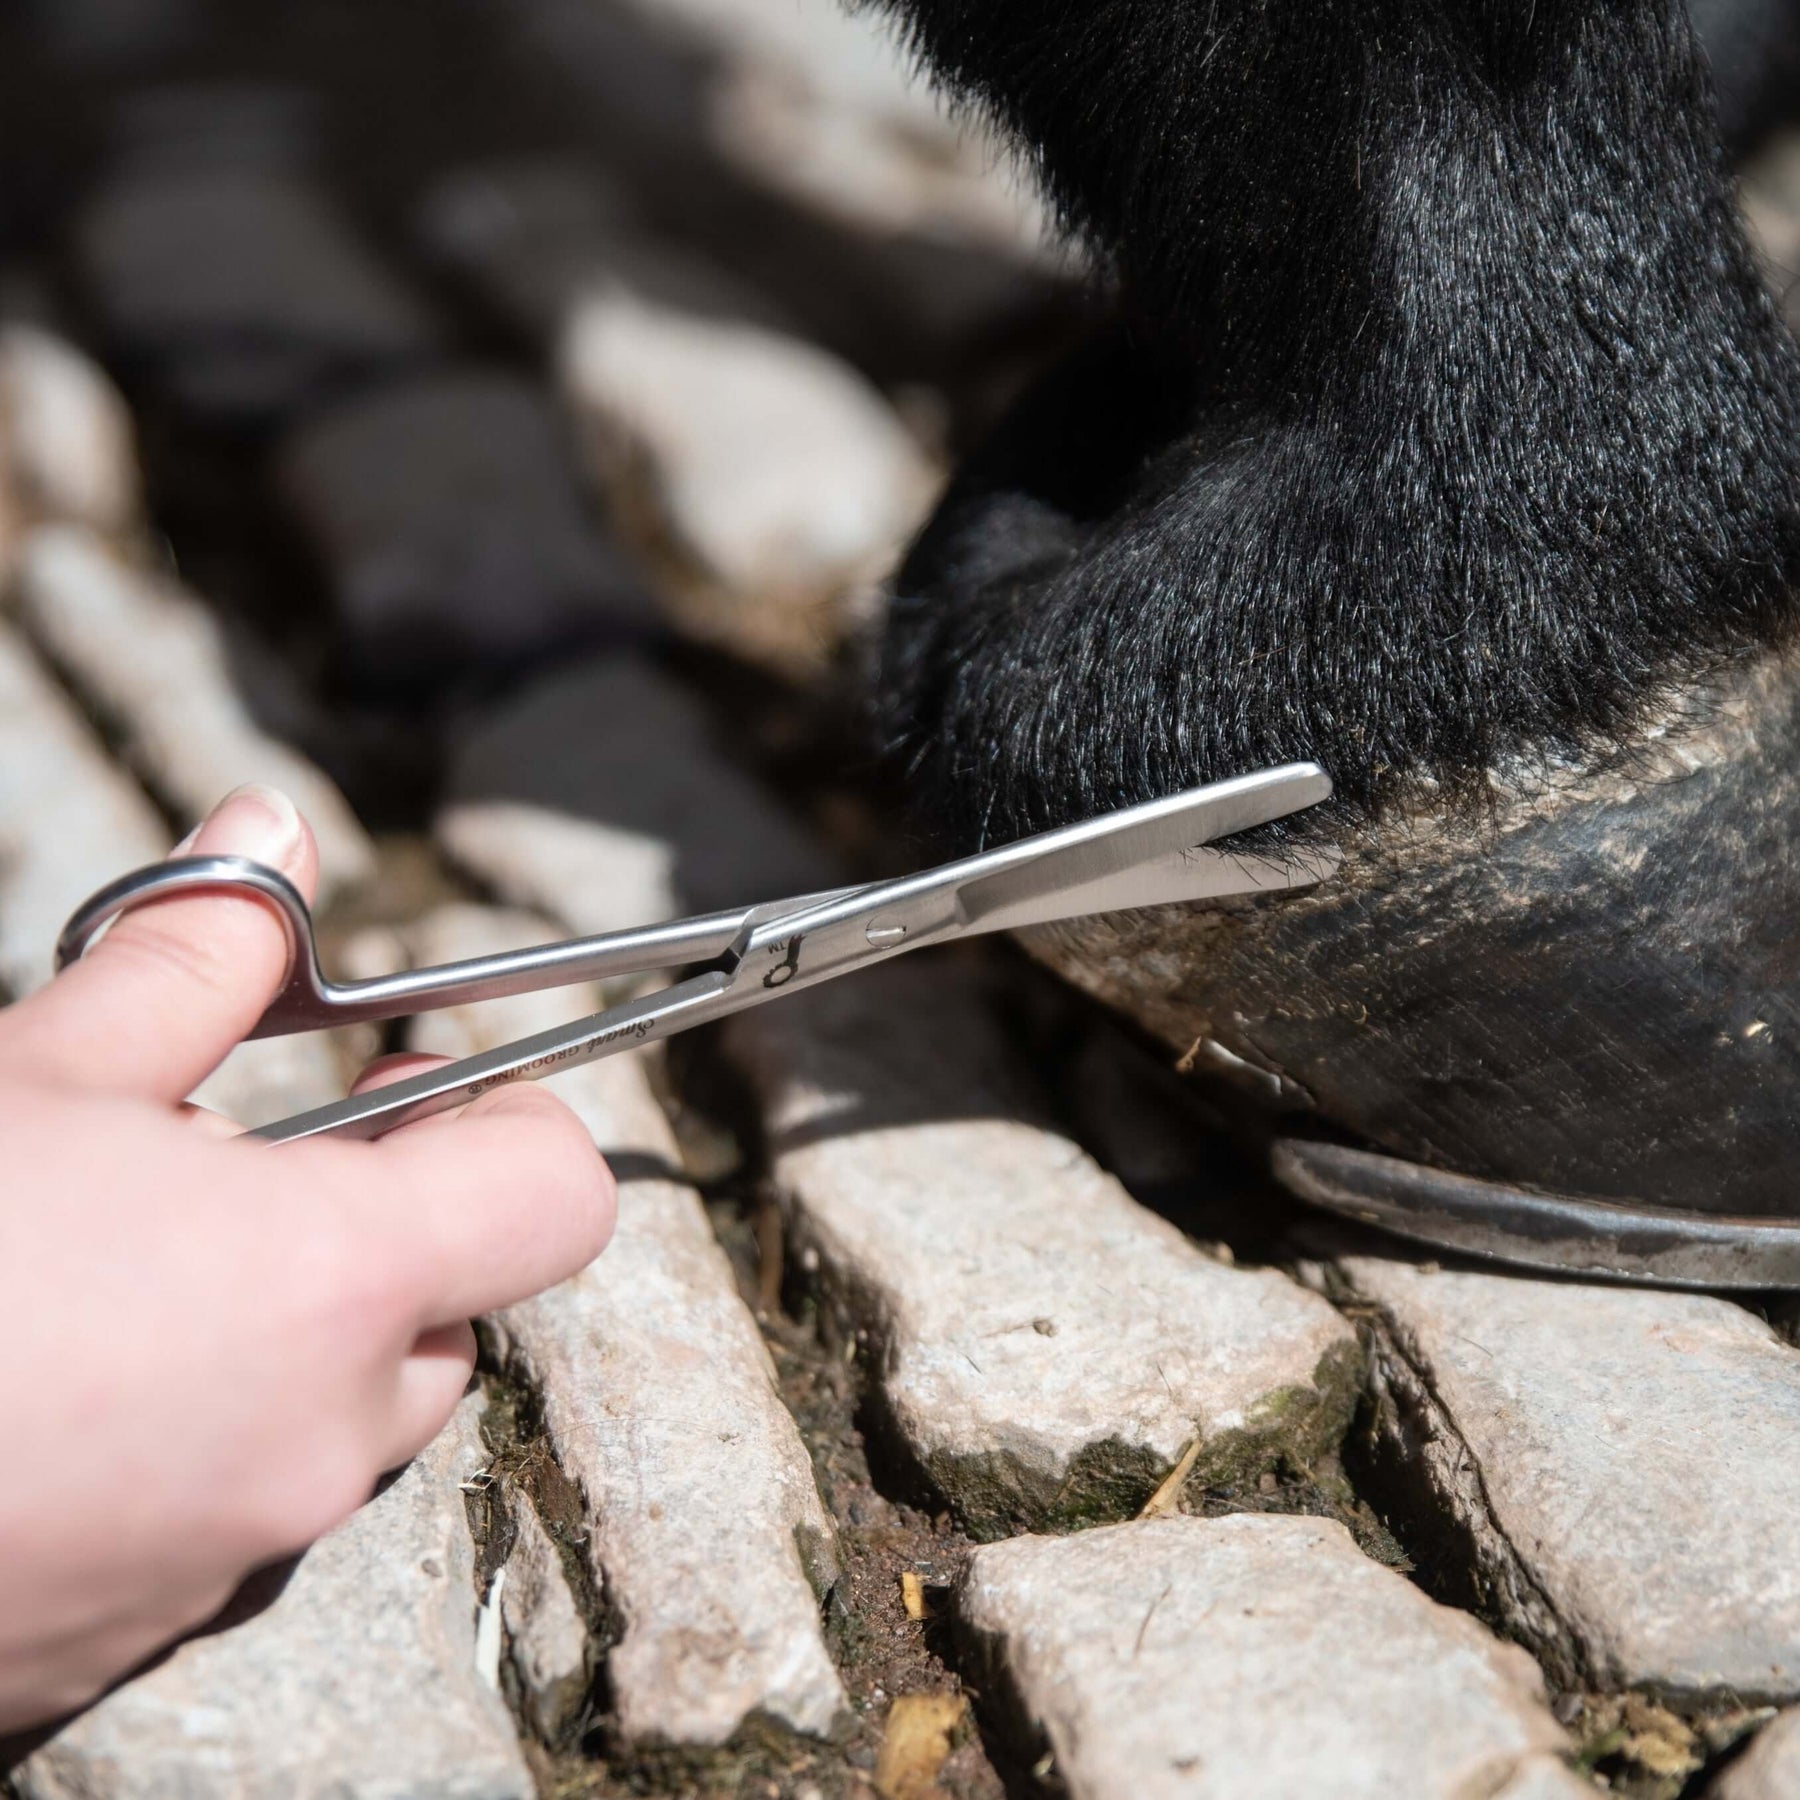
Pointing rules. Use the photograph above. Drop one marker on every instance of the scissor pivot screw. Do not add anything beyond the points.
(882, 932)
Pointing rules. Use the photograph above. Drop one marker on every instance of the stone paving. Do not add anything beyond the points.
(1576, 1435)
(150, 660)
(452, 531)
(67, 813)
(1048, 1350)
(706, 1535)
(354, 1673)
(1253, 1657)
(951, 1417)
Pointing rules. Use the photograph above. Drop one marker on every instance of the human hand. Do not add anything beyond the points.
(216, 1345)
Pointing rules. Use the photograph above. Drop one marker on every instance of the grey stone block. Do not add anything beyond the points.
(357, 1682)
(1254, 1658)
(1623, 1465)
(546, 1636)
(707, 1536)
(70, 819)
(66, 438)
(240, 291)
(1045, 1348)
(446, 515)
(604, 797)
(152, 661)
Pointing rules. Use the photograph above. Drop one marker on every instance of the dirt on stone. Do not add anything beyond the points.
(883, 1654)
(1634, 1746)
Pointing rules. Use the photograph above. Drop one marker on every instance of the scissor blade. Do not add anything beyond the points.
(1150, 855)
(1193, 875)
(625, 1027)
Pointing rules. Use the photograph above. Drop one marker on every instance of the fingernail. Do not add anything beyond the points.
(254, 821)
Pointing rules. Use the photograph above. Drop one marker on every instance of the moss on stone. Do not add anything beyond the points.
(996, 1495)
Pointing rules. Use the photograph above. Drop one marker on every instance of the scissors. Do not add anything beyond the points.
(1150, 855)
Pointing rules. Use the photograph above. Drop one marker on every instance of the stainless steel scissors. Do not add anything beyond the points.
(1149, 855)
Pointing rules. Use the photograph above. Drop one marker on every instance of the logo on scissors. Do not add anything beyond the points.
(785, 972)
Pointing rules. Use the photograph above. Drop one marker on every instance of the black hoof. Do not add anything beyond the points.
(1595, 996)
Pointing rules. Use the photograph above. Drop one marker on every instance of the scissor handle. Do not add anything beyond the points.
(308, 1001)
(193, 874)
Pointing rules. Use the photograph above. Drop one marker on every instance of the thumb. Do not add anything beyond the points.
(155, 1006)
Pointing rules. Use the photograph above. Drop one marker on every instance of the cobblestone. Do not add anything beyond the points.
(547, 1638)
(357, 1682)
(776, 467)
(151, 659)
(890, 238)
(817, 104)
(69, 819)
(1618, 1462)
(779, 475)
(706, 1532)
(447, 514)
(1045, 1348)
(604, 797)
(533, 238)
(241, 291)
(1253, 1658)
(67, 436)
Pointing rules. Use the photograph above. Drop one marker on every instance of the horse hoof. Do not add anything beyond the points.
(1566, 1035)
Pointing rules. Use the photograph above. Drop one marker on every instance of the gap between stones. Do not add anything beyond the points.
(880, 1652)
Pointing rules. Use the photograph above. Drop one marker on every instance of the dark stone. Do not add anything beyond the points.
(531, 238)
(222, 275)
(198, 126)
(456, 541)
(113, 32)
(616, 742)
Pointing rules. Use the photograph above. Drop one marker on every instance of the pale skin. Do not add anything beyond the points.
(215, 1346)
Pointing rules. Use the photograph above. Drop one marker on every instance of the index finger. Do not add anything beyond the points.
(483, 1210)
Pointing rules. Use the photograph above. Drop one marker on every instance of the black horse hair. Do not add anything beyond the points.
(1443, 420)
